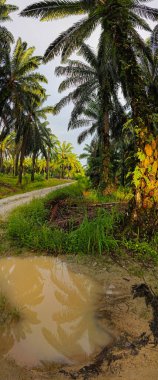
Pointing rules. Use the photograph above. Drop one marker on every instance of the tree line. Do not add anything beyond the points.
(124, 142)
(24, 127)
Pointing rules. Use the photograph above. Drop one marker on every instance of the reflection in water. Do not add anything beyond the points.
(58, 312)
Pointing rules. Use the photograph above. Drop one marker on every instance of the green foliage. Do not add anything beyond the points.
(115, 195)
(143, 250)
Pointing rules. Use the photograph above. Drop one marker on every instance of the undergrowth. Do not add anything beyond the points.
(119, 195)
(29, 226)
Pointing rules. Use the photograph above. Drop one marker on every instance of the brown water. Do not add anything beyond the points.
(58, 309)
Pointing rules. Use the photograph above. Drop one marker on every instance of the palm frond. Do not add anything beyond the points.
(48, 10)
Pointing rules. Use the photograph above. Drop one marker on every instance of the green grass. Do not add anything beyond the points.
(29, 227)
(9, 186)
(143, 250)
(119, 195)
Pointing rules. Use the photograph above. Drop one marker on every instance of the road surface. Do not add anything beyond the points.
(9, 203)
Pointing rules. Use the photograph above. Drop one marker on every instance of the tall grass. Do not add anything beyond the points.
(29, 226)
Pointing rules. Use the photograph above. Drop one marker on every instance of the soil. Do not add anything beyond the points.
(133, 355)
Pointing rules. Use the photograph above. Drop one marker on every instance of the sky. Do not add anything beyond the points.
(40, 35)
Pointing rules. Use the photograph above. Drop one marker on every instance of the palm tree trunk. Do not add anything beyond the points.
(105, 143)
(1, 159)
(22, 156)
(48, 164)
(62, 171)
(16, 164)
(33, 167)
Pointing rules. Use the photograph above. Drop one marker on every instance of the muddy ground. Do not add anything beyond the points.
(132, 354)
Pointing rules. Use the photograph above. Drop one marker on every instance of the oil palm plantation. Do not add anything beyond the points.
(119, 44)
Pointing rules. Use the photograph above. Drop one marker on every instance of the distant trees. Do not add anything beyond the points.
(23, 110)
(53, 159)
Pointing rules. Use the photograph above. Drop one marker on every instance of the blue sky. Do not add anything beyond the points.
(40, 35)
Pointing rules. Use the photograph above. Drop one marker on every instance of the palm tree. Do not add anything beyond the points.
(92, 155)
(5, 10)
(52, 149)
(150, 70)
(89, 102)
(120, 39)
(63, 157)
(33, 133)
(19, 80)
(7, 149)
(86, 77)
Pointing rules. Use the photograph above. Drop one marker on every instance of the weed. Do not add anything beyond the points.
(142, 250)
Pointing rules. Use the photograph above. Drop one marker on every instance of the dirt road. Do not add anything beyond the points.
(9, 203)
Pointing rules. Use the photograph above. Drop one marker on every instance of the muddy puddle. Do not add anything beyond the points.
(58, 313)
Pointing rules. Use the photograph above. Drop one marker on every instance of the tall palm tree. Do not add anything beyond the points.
(92, 155)
(5, 10)
(19, 80)
(52, 149)
(33, 133)
(86, 78)
(38, 141)
(150, 70)
(63, 157)
(89, 101)
(120, 38)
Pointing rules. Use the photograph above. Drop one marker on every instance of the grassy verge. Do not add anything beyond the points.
(119, 195)
(9, 186)
(29, 226)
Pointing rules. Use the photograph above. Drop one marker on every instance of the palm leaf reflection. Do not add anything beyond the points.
(76, 333)
(59, 312)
